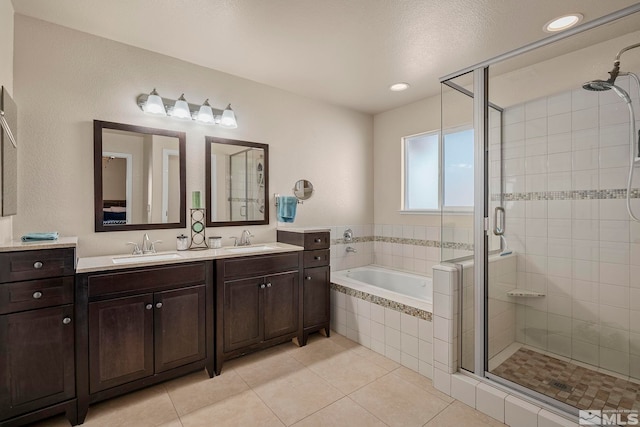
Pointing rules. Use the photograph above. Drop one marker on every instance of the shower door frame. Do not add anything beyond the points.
(482, 199)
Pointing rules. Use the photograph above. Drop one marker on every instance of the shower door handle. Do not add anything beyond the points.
(498, 230)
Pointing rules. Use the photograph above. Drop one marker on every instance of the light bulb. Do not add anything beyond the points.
(228, 119)
(154, 104)
(181, 109)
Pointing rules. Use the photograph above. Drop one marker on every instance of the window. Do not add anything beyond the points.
(432, 163)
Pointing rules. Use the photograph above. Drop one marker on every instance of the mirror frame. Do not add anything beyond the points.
(208, 141)
(98, 126)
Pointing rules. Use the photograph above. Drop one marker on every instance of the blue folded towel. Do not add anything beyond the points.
(33, 237)
(287, 208)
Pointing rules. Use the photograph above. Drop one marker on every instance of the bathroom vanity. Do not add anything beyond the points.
(77, 333)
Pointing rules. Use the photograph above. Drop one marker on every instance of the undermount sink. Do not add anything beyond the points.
(145, 258)
(249, 249)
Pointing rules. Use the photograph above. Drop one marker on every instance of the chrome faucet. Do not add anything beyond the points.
(245, 238)
(148, 247)
(350, 249)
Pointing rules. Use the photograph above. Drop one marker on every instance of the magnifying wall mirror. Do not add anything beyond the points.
(139, 177)
(303, 189)
(237, 174)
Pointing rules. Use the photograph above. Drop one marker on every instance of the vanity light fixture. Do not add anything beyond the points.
(181, 109)
(562, 23)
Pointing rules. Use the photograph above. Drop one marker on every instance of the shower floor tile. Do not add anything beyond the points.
(567, 382)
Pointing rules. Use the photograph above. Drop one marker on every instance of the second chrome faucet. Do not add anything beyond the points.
(148, 246)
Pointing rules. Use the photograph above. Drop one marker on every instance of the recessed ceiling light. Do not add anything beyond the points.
(562, 23)
(399, 87)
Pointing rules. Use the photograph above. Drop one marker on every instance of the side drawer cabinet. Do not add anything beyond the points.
(37, 336)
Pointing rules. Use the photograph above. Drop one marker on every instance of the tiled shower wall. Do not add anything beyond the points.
(566, 160)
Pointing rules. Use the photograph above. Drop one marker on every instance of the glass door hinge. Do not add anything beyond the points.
(486, 223)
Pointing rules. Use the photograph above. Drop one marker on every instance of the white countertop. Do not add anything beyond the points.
(305, 229)
(103, 263)
(19, 245)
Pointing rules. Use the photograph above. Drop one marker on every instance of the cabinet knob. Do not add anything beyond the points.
(308, 278)
(66, 320)
(159, 305)
(262, 286)
(37, 295)
(148, 306)
(268, 285)
(317, 258)
(318, 240)
(37, 264)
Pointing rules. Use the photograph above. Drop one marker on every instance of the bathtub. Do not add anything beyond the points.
(402, 291)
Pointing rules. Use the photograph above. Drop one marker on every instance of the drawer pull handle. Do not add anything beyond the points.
(37, 264)
(66, 320)
(317, 258)
(159, 305)
(37, 295)
(268, 285)
(308, 278)
(318, 240)
(148, 306)
(262, 286)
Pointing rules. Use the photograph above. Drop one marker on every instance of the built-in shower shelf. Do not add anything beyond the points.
(524, 293)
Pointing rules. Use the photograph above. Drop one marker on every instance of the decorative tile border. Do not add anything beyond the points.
(406, 241)
(616, 193)
(394, 305)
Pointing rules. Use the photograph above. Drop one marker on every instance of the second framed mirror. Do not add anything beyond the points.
(237, 182)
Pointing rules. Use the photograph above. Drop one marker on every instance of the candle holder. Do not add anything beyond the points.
(198, 236)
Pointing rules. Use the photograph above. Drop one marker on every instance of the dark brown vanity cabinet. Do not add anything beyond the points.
(37, 328)
(144, 326)
(257, 303)
(316, 278)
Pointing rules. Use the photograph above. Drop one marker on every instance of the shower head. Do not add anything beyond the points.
(602, 85)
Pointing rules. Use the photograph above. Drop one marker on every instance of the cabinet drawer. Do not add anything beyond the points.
(310, 241)
(36, 264)
(259, 265)
(316, 258)
(146, 279)
(20, 296)
(314, 241)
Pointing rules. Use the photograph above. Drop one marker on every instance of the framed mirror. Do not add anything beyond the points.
(139, 177)
(237, 182)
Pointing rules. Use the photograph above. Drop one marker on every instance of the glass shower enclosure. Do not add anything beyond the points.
(550, 288)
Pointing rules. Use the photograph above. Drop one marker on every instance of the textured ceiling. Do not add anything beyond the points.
(345, 52)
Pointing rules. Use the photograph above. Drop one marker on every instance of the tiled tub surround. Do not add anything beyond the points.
(410, 248)
(566, 160)
(398, 331)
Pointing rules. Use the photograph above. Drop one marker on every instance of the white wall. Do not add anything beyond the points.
(6, 80)
(65, 79)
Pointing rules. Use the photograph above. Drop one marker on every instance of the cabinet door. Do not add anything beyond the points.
(120, 341)
(179, 326)
(242, 313)
(281, 305)
(315, 288)
(36, 359)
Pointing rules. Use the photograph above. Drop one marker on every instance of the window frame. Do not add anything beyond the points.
(456, 210)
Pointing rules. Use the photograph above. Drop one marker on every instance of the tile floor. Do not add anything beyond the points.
(329, 382)
(569, 383)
